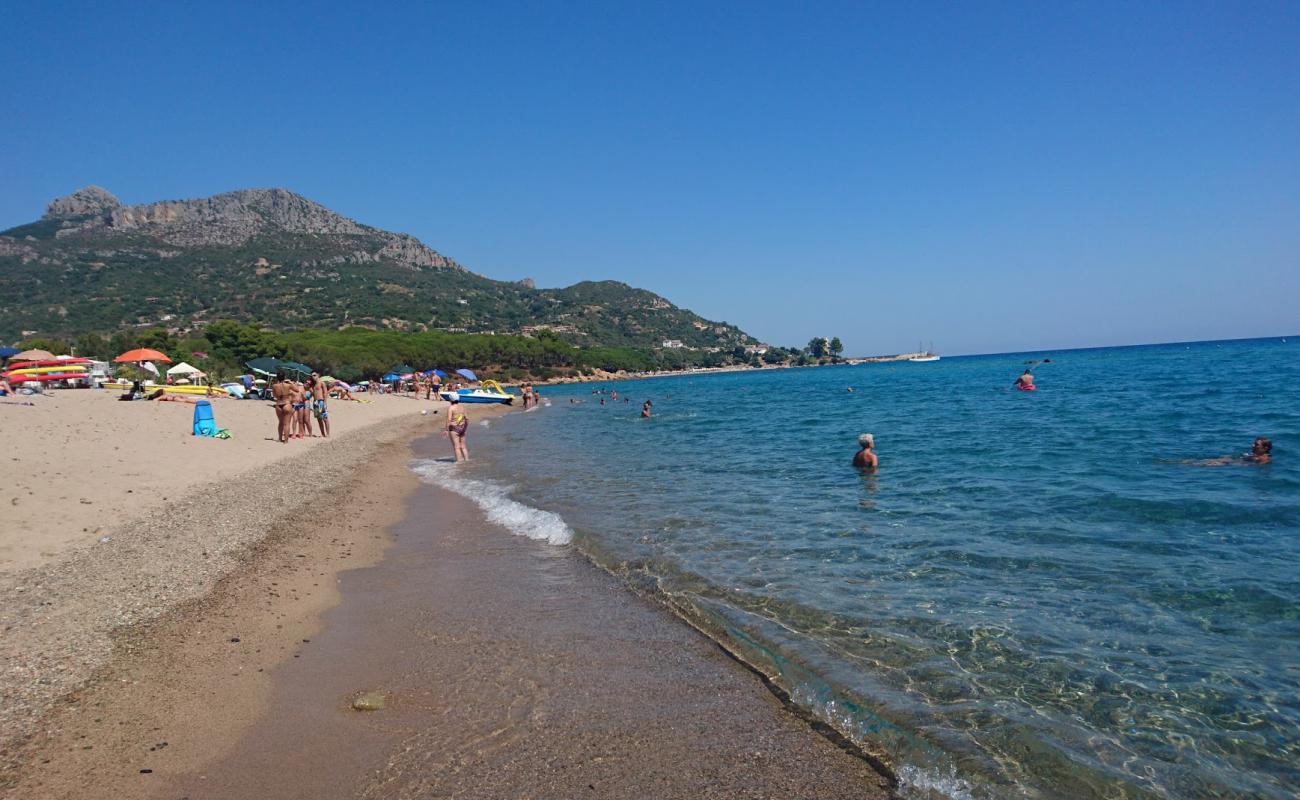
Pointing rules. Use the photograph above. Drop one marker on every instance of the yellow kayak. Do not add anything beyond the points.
(47, 370)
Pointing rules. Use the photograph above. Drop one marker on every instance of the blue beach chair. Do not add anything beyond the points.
(204, 424)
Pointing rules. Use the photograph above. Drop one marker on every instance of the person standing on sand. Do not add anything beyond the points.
(319, 405)
(866, 457)
(457, 427)
(282, 396)
(297, 405)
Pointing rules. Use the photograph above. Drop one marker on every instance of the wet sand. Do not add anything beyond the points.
(513, 668)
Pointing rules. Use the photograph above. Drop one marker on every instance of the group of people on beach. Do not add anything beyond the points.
(297, 403)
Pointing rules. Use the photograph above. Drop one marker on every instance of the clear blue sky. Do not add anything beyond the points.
(989, 176)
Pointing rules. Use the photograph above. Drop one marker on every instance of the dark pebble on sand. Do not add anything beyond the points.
(234, 639)
(145, 771)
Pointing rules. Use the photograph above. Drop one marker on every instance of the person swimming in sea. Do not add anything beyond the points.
(1025, 382)
(645, 409)
(866, 457)
(1261, 452)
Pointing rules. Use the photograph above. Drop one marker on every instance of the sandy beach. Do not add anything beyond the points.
(148, 518)
(193, 658)
(79, 464)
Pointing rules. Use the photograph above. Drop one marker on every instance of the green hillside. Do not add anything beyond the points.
(276, 259)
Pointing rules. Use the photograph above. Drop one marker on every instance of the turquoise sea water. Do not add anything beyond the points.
(1031, 598)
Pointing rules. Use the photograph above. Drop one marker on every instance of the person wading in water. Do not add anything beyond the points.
(866, 457)
(457, 427)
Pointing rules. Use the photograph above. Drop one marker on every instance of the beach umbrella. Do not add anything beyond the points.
(141, 354)
(33, 355)
(143, 357)
(5, 352)
(266, 365)
(294, 366)
(183, 369)
(440, 373)
(464, 373)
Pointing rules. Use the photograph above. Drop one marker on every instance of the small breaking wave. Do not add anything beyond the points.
(519, 519)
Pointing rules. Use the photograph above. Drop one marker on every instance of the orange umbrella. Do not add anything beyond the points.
(141, 354)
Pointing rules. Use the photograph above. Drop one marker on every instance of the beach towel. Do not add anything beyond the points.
(204, 424)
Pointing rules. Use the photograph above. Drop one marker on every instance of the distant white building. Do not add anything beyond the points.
(674, 344)
(756, 349)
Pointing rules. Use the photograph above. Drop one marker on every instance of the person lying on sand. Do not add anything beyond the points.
(162, 397)
(1261, 452)
(342, 391)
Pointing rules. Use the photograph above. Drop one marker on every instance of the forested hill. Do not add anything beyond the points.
(276, 259)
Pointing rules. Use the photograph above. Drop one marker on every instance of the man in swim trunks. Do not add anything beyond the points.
(1025, 381)
(645, 409)
(282, 395)
(319, 406)
(866, 457)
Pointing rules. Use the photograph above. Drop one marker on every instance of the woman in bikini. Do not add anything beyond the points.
(457, 427)
(281, 395)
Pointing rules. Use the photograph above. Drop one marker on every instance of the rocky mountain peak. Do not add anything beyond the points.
(85, 202)
(233, 217)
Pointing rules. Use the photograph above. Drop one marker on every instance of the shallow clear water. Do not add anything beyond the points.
(1031, 598)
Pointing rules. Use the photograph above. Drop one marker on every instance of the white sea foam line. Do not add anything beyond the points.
(519, 519)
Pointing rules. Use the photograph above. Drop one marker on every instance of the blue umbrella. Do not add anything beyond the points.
(440, 373)
(5, 352)
(464, 373)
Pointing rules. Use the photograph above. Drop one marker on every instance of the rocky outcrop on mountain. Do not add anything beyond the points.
(91, 201)
(236, 218)
(232, 218)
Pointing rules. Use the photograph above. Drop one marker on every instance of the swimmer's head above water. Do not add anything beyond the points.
(866, 440)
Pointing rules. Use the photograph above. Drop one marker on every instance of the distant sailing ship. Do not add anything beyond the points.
(925, 355)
